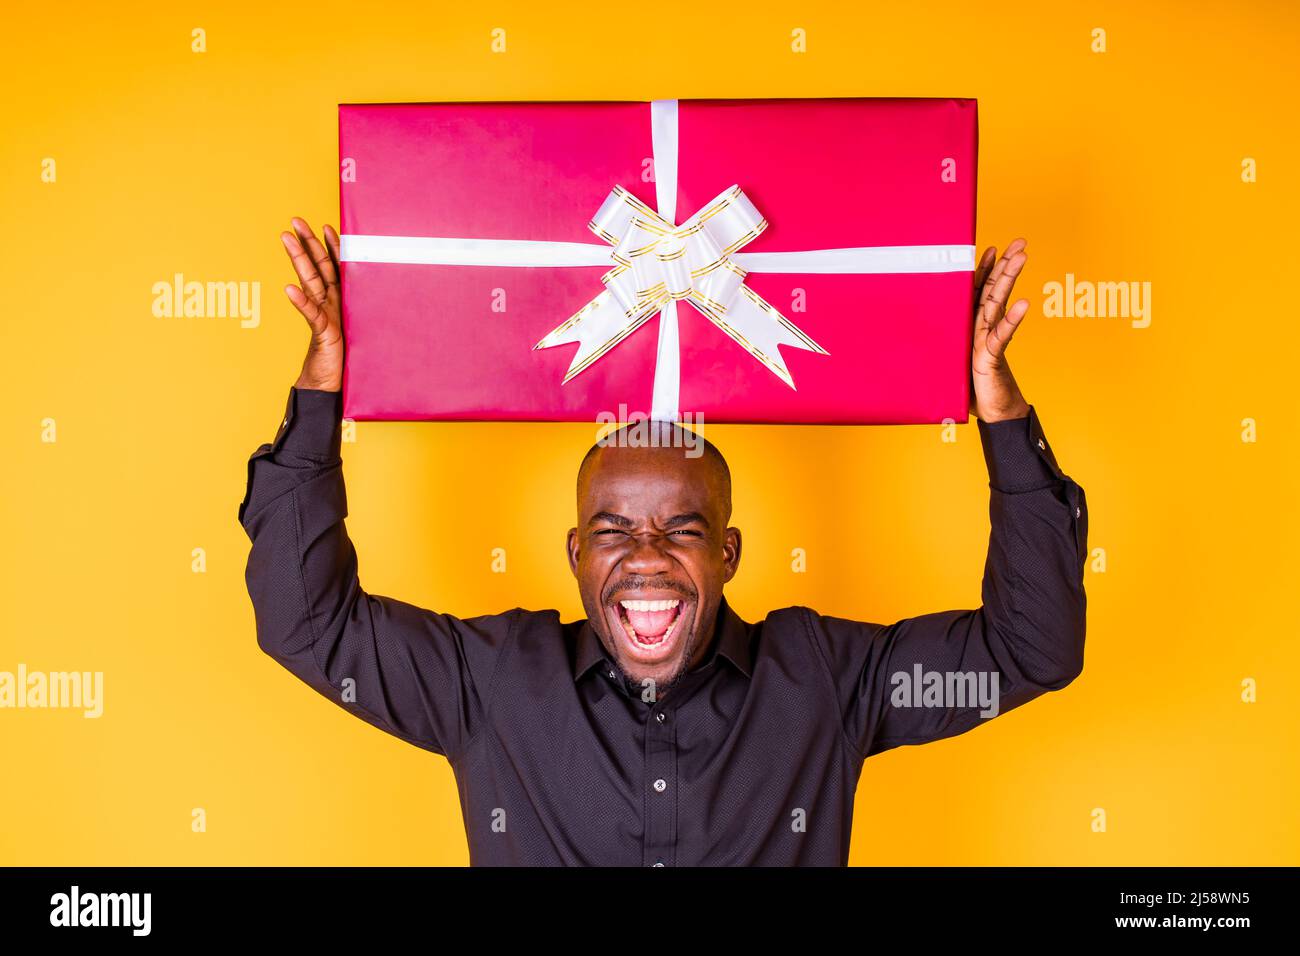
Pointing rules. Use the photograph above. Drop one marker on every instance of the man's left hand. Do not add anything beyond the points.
(994, 394)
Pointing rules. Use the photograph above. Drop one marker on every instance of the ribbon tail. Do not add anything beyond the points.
(597, 327)
(666, 394)
(757, 327)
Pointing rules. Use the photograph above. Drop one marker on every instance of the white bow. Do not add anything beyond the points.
(658, 263)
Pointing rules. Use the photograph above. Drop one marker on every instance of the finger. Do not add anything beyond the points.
(303, 265)
(1001, 290)
(1017, 245)
(991, 278)
(319, 256)
(985, 265)
(999, 336)
(987, 262)
(332, 241)
(316, 249)
(315, 316)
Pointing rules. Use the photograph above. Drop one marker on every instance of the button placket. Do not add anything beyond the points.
(661, 792)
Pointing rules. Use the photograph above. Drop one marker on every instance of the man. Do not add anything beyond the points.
(662, 730)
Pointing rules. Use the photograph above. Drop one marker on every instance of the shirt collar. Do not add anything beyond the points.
(731, 641)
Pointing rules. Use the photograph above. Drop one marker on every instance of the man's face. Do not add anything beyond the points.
(651, 553)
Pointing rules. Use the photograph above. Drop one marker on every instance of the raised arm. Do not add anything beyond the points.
(937, 675)
(421, 676)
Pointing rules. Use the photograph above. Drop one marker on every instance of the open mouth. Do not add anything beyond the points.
(650, 626)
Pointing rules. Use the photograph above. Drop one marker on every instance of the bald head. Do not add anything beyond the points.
(662, 438)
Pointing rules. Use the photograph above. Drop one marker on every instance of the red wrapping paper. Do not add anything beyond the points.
(433, 341)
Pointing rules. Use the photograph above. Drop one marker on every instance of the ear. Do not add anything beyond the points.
(730, 554)
(572, 548)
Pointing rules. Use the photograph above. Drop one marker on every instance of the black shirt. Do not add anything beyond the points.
(752, 758)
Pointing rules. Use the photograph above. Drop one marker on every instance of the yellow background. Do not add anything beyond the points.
(1121, 166)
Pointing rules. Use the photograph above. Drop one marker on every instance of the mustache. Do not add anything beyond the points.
(648, 584)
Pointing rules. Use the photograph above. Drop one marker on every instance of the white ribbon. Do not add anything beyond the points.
(656, 263)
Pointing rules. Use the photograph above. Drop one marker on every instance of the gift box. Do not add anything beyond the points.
(767, 260)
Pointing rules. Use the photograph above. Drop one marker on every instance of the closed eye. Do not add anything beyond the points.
(620, 531)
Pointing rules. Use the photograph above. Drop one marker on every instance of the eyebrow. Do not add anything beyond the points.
(688, 517)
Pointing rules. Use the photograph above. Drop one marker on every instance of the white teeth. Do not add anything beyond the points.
(649, 605)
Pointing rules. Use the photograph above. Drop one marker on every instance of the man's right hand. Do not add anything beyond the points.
(320, 302)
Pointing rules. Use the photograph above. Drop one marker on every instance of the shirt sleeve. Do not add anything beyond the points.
(941, 674)
(422, 676)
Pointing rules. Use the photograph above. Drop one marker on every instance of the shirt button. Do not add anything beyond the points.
(657, 863)
(660, 717)
(1077, 512)
(611, 675)
(661, 785)
(1040, 444)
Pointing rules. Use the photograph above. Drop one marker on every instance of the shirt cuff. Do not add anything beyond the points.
(1017, 454)
(313, 424)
